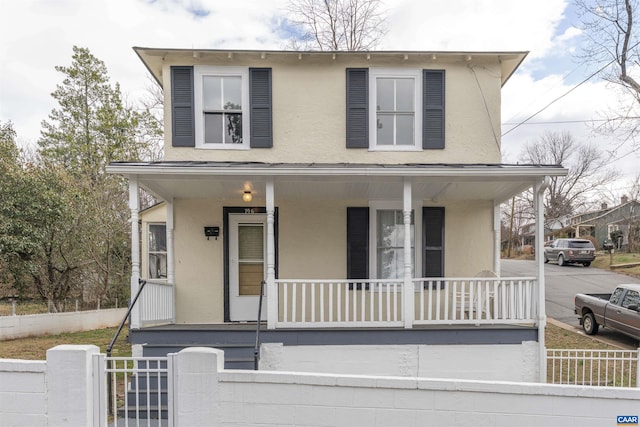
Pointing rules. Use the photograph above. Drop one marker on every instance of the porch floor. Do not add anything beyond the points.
(212, 333)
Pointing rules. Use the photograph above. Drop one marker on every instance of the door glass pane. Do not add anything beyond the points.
(250, 258)
(211, 93)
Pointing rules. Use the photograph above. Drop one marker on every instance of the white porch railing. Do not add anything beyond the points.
(611, 368)
(486, 300)
(333, 303)
(157, 303)
(379, 303)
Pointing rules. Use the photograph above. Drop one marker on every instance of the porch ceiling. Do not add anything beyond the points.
(434, 183)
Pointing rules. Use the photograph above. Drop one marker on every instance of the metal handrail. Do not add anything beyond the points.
(141, 282)
(256, 349)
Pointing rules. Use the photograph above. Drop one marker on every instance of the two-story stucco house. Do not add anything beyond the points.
(362, 187)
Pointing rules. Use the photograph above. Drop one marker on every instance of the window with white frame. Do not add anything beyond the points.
(389, 240)
(157, 251)
(395, 109)
(222, 107)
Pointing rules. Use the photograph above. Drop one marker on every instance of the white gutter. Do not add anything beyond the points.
(386, 170)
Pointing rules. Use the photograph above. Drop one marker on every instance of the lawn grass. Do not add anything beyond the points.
(604, 261)
(35, 348)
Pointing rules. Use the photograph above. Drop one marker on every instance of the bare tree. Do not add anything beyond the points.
(614, 47)
(588, 172)
(333, 25)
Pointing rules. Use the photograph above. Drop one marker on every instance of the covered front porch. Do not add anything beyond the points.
(453, 281)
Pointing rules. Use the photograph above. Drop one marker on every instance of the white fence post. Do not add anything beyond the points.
(195, 381)
(70, 399)
(638, 370)
(99, 391)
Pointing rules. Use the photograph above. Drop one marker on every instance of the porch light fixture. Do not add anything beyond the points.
(247, 196)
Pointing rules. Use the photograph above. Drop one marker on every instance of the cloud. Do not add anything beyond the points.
(37, 35)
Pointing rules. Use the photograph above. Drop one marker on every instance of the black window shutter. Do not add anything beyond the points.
(433, 109)
(357, 108)
(261, 128)
(433, 241)
(182, 119)
(357, 243)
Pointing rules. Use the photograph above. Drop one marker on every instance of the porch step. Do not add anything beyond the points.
(143, 414)
(236, 356)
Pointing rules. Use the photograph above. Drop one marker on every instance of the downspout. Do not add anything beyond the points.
(539, 190)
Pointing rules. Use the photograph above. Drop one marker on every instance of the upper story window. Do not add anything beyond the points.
(221, 100)
(221, 107)
(393, 109)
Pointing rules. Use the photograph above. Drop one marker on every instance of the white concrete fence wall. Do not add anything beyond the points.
(61, 394)
(12, 327)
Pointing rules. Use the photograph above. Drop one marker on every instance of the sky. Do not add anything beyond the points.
(37, 35)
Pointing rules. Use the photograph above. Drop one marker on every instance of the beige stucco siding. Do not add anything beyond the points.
(309, 104)
(311, 245)
(468, 238)
(199, 265)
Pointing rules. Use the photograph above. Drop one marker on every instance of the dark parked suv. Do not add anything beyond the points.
(577, 251)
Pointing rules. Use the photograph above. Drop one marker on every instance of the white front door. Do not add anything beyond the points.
(247, 265)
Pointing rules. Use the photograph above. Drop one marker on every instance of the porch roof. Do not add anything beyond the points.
(435, 182)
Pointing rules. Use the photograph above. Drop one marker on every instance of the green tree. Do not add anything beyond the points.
(90, 128)
(38, 225)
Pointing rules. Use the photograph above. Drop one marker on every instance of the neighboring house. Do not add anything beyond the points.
(598, 224)
(364, 188)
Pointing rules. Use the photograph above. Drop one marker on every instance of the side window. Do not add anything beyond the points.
(157, 251)
(631, 298)
(615, 296)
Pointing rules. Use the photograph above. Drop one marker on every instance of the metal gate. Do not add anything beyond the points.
(133, 391)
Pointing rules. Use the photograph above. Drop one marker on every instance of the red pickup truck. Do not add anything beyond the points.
(619, 310)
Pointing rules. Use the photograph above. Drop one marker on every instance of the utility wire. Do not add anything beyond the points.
(559, 98)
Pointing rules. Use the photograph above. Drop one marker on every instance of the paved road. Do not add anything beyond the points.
(562, 283)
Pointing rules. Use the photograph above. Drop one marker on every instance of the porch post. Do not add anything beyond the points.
(538, 199)
(134, 206)
(272, 292)
(496, 239)
(171, 275)
(408, 292)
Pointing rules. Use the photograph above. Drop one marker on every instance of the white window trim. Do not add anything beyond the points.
(416, 74)
(207, 70)
(374, 206)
